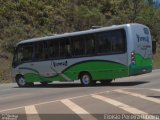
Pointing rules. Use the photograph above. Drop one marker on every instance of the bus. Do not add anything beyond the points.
(101, 54)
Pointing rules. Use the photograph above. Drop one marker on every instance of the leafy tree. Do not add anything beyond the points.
(24, 19)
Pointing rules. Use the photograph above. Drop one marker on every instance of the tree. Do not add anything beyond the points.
(24, 19)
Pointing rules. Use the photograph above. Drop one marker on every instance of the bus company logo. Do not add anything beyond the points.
(55, 64)
(146, 31)
(143, 39)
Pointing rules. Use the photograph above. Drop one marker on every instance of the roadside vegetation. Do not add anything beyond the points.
(5, 67)
(156, 58)
(24, 19)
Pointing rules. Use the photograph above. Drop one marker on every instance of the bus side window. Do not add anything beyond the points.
(118, 41)
(104, 43)
(53, 49)
(25, 53)
(19, 55)
(90, 45)
(114, 43)
(65, 48)
(39, 51)
(68, 49)
(77, 46)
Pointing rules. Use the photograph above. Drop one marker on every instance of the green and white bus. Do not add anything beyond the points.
(101, 54)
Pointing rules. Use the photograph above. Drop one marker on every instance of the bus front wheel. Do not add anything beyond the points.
(86, 79)
(21, 82)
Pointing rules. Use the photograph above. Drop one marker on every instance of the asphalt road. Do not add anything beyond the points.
(126, 98)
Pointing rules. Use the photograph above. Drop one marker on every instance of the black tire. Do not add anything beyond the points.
(22, 83)
(86, 79)
(93, 82)
(30, 84)
(106, 82)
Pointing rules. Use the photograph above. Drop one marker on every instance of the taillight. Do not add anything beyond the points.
(133, 58)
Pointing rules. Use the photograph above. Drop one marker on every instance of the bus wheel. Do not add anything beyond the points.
(86, 79)
(22, 83)
(105, 82)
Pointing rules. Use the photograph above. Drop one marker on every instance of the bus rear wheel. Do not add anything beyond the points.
(86, 79)
(22, 83)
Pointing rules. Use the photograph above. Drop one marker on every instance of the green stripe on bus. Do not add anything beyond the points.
(32, 77)
(99, 70)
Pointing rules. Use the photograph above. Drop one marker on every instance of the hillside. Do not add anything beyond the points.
(23, 19)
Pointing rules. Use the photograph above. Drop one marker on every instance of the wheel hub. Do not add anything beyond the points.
(86, 79)
(22, 81)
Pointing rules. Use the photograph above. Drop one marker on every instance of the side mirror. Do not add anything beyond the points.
(154, 47)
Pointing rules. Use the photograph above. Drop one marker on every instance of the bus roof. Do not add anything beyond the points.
(76, 33)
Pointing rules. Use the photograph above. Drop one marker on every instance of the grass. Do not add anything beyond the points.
(5, 69)
(156, 59)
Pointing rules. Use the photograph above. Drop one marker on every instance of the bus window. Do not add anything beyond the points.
(103, 43)
(60, 48)
(68, 48)
(90, 46)
(65, 48)
(24, 53)
(39, 51)
(118, 41)
(77, 46)
(53, 47)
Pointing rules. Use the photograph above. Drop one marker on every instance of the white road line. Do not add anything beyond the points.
(123, 106)
(157, 90)
(42, 103)
(139, 96)
(14, 96)
(118, 104)
(82, 113)
(48, 102)
(32, 113)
